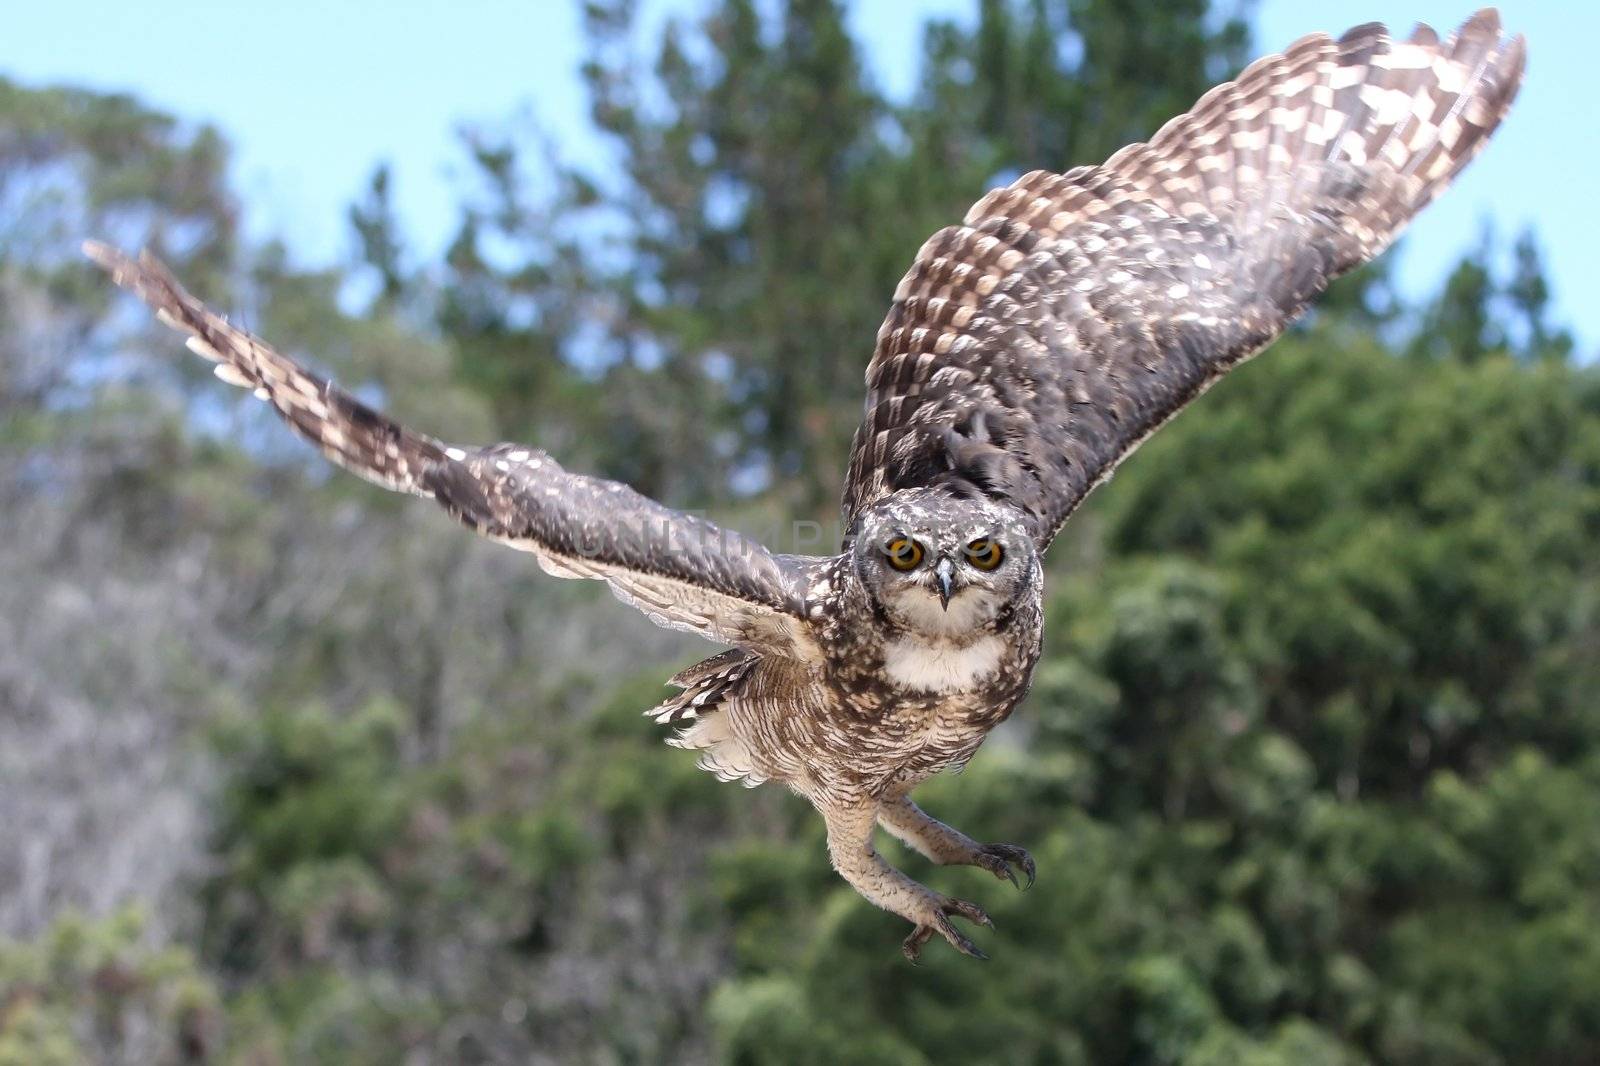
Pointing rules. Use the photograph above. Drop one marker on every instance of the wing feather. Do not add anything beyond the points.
(1032, 348)
(680, 570)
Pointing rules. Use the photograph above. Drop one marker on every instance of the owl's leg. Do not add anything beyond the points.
(949, 847)
(858, 862)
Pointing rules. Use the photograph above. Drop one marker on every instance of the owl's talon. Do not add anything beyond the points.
(999, 858)
(939, 922)
(970, 911)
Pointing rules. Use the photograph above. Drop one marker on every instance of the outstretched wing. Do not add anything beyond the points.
(1034, 347)
(682, 571)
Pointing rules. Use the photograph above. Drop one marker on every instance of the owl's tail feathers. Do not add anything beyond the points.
(1353, 136)
(705, 685)
(353, 435)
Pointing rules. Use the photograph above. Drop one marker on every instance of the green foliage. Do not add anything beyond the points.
(96, 991)
(310, 807)
(1478, 314)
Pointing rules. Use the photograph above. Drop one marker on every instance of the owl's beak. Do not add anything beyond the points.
(945, 571)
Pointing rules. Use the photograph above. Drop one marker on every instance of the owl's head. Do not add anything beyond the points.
(940, 565)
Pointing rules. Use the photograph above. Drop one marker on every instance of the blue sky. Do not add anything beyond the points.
(313, 94)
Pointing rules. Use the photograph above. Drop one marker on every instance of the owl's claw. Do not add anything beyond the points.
(936, 920)
(999, 858)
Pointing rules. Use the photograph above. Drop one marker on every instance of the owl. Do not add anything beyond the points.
(1028, 351)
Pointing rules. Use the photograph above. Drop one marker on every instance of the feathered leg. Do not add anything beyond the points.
(850, 847)
(938, 842)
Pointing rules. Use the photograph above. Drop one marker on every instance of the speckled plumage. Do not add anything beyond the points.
(1028, 351)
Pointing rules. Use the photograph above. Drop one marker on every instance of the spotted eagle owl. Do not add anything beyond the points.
(1029, 350)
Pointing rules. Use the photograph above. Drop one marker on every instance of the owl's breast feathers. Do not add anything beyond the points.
(880, 704)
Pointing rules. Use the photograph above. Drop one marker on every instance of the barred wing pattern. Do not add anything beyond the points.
(1034, 347)
(683, 572)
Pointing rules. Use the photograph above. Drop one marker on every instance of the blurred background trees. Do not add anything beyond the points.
(294, 772)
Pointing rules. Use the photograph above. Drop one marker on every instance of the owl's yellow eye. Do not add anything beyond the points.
(985, 554)
(904, 553)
